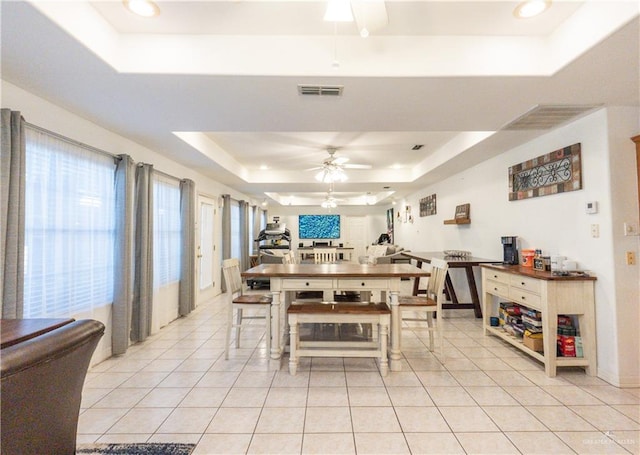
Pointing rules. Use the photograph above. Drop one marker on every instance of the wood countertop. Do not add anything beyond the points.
(539, 274)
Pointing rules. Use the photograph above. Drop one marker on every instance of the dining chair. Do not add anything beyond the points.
(325, 255)
(429, 303)
(238, 301)
(289, 258)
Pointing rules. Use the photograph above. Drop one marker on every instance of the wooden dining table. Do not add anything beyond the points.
(455, 262)
(285, 279)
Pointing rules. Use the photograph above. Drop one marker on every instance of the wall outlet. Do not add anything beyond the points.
(631, 228)
(595, 231)
(631, 258)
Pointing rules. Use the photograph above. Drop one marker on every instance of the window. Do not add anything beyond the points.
(167, 230)
(235, 230)
(69, 227)
(252, 235)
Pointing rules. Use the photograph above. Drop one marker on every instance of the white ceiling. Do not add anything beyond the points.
(214, 84)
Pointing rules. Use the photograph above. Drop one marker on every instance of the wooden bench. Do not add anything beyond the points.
(377, 314)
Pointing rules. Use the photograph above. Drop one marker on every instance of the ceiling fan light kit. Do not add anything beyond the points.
(338, 11)
(331, 175)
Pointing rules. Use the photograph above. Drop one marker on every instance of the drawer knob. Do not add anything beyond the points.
(306, 284)
(495, 289)
(524, 298)
(522, 283)
(361, 284)
(495, 276)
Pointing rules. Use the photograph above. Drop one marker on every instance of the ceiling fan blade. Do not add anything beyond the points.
(370, 14)
(340, 160)
(357, 166)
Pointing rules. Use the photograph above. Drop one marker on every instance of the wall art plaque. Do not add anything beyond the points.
(557, 172)
(428, 205)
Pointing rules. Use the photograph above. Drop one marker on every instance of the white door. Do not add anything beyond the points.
(206, 249)
(356, 235)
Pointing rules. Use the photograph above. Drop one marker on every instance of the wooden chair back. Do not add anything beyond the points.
(289, 258)
(325, 255)
(232, 277)
(435, 285)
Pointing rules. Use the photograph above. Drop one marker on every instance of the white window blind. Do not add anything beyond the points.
(166, 230)
(252, 235)
(235, 229)
(69, 227)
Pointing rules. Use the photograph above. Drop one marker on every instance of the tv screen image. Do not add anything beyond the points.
(319, 226)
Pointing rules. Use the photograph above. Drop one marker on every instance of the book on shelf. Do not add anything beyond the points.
(531, 321)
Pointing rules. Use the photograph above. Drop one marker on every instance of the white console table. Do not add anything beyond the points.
(551, 295)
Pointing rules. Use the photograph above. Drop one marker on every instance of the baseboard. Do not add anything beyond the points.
(619, 381)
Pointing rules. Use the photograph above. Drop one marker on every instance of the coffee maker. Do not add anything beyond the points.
(510, 250)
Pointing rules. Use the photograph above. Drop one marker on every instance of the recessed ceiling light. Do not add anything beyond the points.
(531, 8)
(144, 8)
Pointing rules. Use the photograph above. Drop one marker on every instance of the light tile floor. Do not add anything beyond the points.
(482, 397)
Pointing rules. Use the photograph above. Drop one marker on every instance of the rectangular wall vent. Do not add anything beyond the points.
(320, 90)
(545, 117)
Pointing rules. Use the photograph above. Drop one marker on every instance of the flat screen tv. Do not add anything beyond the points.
(319, 226)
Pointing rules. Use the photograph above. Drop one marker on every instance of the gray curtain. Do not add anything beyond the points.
(143, 278)
(187, 296)
(124, 255)
(245, 242)
(226, 233)
(12, 153)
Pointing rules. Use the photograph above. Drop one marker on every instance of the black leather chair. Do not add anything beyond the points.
(41, 389)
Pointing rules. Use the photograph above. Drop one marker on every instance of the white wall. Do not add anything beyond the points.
(49, 116)
(557, 224)
(622, 158)
(375, 219)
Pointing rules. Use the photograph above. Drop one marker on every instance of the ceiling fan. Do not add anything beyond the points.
(329, 201)
(332, 169)
(369, 15)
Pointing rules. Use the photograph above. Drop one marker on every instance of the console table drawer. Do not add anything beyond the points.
(302, 284)
(362, 284)
(525, 298)
(498, 276)
(522, 282)
(498, 288)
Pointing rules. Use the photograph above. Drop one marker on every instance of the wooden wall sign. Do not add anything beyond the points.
(556, 172)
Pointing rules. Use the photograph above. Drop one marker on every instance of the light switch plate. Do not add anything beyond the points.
(631, 228)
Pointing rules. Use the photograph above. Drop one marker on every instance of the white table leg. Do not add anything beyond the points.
(383, 333)
(276, 336)
(395, 353)
(294, 338)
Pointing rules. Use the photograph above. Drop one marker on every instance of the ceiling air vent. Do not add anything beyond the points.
(544, 117)
(417, 147)
(320, 90)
